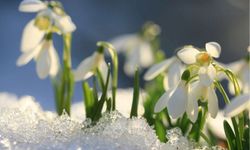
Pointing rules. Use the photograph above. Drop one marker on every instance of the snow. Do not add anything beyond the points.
(25, 125)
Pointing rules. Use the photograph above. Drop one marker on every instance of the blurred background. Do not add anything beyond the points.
(182, 22)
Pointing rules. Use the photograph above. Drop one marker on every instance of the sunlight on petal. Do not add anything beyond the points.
(43, 63)
(162, 102)
(188, 55)
(31, 37)
(213, 106)
(178, 101)
(214, 49)
(157, 69)
(31, 6)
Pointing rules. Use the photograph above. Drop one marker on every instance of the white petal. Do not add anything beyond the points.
(236, 66)
(31, 37)
(178, 101)
(27, 56)
(84, 70)
(55, 64)
(31, 6)
(216, 125)
(65, 24)
(213, 106)
(197, 91)
(237, 105)
(146, 56)
(192, 108)
(165, 82)
(162, 102)
(124, 42)
(157, 69)
(188, 55)
(207, 75)
(43, 63)
(214, 49)
(174, 74)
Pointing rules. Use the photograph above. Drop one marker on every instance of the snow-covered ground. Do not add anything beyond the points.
(25, 125)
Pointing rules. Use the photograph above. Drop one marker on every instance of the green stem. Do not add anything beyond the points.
(68, 78)
(114, 58)
(135, 102)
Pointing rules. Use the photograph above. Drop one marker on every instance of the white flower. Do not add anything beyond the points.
(171, 68)
(50, 15)
(37, 36)
(238, 105)
(137, 50)
(45, 55)
(89, 65)
(185, 97)
(241, 68)
(191, 55)
(202, 92)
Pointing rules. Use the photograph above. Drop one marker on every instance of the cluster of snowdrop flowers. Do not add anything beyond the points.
(196, 83)
(137, 48)
(37, 41)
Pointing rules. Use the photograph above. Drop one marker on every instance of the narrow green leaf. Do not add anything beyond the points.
(196, 129)
(135, 102)
(230, 135)
(103, 98)
(109, 104)
(88, 101)
(160, 130)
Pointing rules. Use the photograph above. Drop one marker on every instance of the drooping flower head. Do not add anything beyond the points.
(37, 35)
(137, 47)
(89, 66)
(196, 83)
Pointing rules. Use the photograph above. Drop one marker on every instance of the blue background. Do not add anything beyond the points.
(183, 22)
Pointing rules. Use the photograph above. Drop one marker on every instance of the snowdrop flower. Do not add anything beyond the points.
(137, 48)
(37, 35)
(171, 69)
(238, 105)
(88, 66)
(185, 96)
(45, 55)
(242, 70)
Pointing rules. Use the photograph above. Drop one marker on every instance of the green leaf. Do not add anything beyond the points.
(88, 101)
(114, 58)
(196, 129)
(109, 104)
(160, 130)
(230, 135)
(103, 98)
(135, 102)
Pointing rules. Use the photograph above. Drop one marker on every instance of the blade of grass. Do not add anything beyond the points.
(135, 102)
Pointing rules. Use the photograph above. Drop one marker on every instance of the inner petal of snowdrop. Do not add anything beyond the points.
(203, 58)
